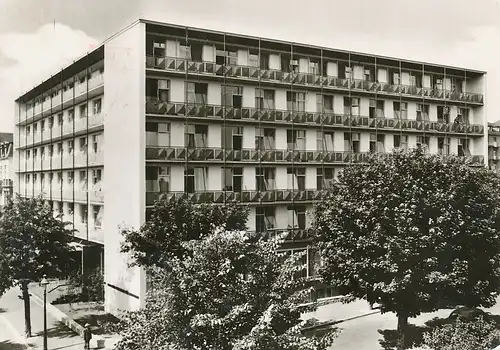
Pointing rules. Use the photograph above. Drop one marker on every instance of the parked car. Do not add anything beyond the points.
(468, 313)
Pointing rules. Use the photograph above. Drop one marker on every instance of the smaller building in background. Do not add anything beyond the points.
(493, 146)
(6, 167)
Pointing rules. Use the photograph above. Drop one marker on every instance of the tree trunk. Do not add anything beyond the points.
(27, 309)
(402, 327)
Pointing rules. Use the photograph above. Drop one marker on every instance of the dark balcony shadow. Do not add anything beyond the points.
(59, 330)
(2, 310)
(8, 345)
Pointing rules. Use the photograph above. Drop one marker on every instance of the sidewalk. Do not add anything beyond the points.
(59, 336)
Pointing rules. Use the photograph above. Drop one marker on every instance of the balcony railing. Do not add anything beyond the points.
(255, 73)
(241, 197)
(247, 155)
(286, 117)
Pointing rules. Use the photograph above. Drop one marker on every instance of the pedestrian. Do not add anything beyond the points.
(87, 335)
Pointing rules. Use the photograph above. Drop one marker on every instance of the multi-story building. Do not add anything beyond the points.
(218, 117)
(493, 144)
(6, 167)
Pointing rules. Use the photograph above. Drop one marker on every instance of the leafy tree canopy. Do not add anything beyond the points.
(411, 230)
(177, 220)
(33, 242)
(230, 292)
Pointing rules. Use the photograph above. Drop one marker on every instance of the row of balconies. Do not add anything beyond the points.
(181, 154)
(62, 130)
(57, 192)
(318, 119)
(56, 162)
(69, 94)
(278, 76)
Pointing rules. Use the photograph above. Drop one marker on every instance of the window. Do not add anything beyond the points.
(95, 142)
(463, 115)
(400, 110)
(42, 152)
(59, 177)
(197, 93)
(423, 141)
(422, 112)
(265, 179)
(71, 145)
(83, 144)
(70, 177)
(96, 176)
(51, 177)
(96, 106)
(35, 128)
(71, 208)
(265, 218)
(376, 108)
(325, 177)
(157, 179)
(401, 141)
(463, 147)
(368, 75)
(443, 114)
(377, 143)
(51, 122)
(97, 215)
(42, 181)
(297, 217)
(351, 106)
(27, 179)
(197, 136)
(314, 68)
(296, 101)
(264, 61)
(28, 154)
(253, 58)
(71, 115)
(60, 148)
(438, 83)
(296, 178)
(348, 72)
(352, 142)
(444, 145)
(51, 150)
(83, 213)
(264, 99)
(232, 96)
(42, 125)
(28, 130)
(296, 140)
(232, 137)
(35, 178)
(59, 119)
(83, 111)
(83, 177)
(35, 153)
(195, 179)
(324, 103)
(324, 140)
(265, 139)
(304, 262)
(232, 179)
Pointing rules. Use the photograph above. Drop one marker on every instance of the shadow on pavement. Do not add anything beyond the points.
(8, 345)
(59, 330)
(415, 334)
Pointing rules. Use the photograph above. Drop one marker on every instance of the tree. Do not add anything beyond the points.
(410, 230)
(478, 335)
(230, 292)
(177, 220)
(33, 243)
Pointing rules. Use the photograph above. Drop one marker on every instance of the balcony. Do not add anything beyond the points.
(181, 154)
(277, 76)
(308, 118)
(275, 196)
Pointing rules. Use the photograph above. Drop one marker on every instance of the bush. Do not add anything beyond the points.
(478, 335)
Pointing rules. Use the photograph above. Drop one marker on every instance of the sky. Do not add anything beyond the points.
(38, 37)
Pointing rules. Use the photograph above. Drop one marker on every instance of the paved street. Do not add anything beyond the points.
(362, 333)
(12, 327)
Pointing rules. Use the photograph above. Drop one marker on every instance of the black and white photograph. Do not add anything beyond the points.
(249, 175)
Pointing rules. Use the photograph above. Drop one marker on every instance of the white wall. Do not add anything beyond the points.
(124, 69)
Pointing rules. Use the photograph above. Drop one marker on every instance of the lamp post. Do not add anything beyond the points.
(44, 283)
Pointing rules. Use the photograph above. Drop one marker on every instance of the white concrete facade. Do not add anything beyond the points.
(218, 118)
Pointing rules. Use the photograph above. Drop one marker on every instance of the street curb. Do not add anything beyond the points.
(20, 339)
(97, 341)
